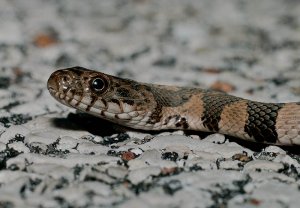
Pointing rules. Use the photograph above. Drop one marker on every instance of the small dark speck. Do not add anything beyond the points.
(64, 60)
(6, 204)
(170, 156)
(115, 139)
(274, 96)
(18, 137)
(77, 170)
(172, 186)
(5, 155)
(288, 44)
(288, 21)
(215, 30)
(15, 119)
(168, 61)
(113, 153)
(11, 105)
(234, 61)
(124, 73)
(4, 82)
(289, 170)
(140, 52)
(279, 81)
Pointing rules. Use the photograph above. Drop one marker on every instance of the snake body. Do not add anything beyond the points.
(160, 107)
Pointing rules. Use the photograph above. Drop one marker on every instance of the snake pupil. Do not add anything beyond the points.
(98, 84)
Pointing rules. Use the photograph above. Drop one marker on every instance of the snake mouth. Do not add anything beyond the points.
(104, 112)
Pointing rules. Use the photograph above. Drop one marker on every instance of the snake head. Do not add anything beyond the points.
(77, 83)
(96, 93)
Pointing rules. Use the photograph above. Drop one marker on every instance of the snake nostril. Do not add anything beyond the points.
(78, 85)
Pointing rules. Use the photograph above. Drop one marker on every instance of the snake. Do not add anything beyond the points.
(148, 106)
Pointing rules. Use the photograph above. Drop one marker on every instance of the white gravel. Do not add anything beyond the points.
(52, 157)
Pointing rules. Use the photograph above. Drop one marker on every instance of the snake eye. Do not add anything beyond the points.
(98, 84)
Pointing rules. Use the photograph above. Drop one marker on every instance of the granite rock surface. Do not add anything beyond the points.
(51, 156)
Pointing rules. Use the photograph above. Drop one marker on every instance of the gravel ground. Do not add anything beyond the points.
(51, 156)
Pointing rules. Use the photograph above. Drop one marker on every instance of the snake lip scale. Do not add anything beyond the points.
(160, 107)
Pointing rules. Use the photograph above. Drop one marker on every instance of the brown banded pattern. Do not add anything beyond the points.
(214, 104)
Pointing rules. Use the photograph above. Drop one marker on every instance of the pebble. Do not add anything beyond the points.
(137, 176)
(137, 151)
(286, 159)
(201, 164)
(52, 170)
(275, 149)
(14, 176)
(67, 143)
(2, 146)
(117, 172)
(264, 175)
(263, 165)
(44, 138)
(215, 138)
(12, 131)
(181, 150)
(90, 148)
(69, 160)
(230, 165)
(19, 146)
(276, 195)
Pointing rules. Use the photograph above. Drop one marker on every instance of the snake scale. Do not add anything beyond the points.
(161, 107)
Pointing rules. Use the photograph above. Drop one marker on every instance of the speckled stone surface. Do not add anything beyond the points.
(50, 156)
